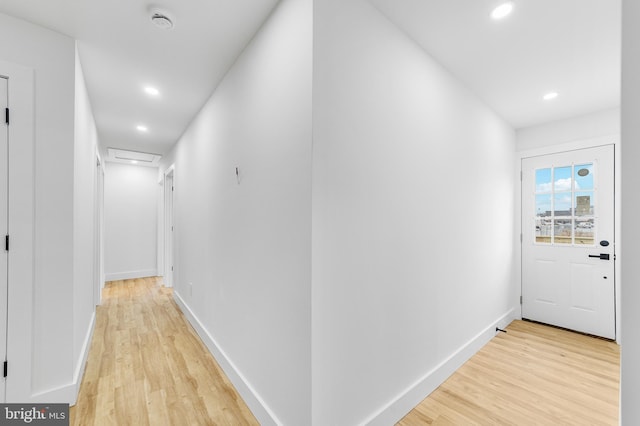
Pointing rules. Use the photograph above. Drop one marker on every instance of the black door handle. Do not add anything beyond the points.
(603, 256)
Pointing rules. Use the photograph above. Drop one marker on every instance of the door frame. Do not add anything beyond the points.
(22, 223)
(98, 270)
(4, 216)
(168, 273)
(555, 149)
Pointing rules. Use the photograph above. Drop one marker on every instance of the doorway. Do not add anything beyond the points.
(568, 241)
(168, 227)
(98, 269)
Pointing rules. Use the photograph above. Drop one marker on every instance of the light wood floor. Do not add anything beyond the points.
(147, 366)
(531, 375)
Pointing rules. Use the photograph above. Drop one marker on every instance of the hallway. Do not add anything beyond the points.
(533, 374)
(147, 366)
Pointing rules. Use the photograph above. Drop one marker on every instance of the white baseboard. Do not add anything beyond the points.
(397, 408)
(256, 404)
(393, 411)
(68, 394)
(60, 395)
(131, 274)
(84, 354)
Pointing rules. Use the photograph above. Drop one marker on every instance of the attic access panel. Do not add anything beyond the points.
(126, 156)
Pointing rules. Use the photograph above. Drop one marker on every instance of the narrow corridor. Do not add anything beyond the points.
(147, 366)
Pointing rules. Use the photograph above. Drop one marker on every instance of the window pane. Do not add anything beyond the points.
(585, 231)
(562, 179)
(583, 176)
(584, 203)
(544, 229)
(543, 205)
(543, 180)
(562, 231)
(562, 204)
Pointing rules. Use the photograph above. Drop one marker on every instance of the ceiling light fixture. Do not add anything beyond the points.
(502, 11)
(549, 96)
(151, 91)
(142, 128)
(161, 20)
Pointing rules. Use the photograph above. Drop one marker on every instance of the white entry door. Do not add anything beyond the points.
(568, 253)
(4, 228)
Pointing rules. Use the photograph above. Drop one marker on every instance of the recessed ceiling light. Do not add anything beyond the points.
(502, 11)
(142, 128)
(134, 162)
(152, 91)
(549, 96)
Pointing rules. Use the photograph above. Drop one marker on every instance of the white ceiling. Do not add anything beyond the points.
(121, 51)
(569, 46)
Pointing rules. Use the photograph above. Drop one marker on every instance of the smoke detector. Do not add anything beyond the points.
(161, 19)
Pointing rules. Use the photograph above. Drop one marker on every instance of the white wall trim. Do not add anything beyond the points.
(69, 393)
(166, 247)
(60, 395)
(397, 408)
(256, 404)
(84, 354)
(131, 275)
(21, 227)
(614, 140)
(160, 228)
(568, 146)
(169, 170)
(162, 177)
(100, 199)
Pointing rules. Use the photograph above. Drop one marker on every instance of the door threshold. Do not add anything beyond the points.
(568, 329)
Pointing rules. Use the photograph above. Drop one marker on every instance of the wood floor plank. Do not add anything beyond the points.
(531, 375)
(147, 366)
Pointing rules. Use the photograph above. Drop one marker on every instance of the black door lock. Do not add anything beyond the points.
(602, 256)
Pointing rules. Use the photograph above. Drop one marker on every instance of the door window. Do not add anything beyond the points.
(564, 205)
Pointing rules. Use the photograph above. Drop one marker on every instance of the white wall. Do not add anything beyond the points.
(242, 254)
(130, 220)
(42, 359)
(84, 193)
(590, 126)
(413, 226)
(630, 368)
